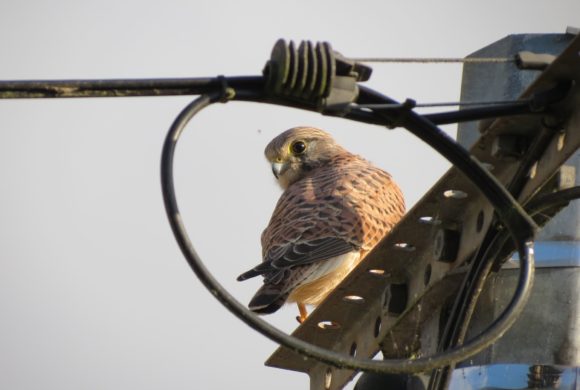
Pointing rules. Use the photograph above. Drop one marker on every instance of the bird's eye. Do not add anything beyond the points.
(298, 147)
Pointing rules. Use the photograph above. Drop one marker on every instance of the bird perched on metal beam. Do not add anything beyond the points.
(335, 208)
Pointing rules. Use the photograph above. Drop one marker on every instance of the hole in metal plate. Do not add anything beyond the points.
(405, 246)
(561, 141)
(428, 220)
(533, 170)
(378, 325)
(396, 298)
(328, 378)
(353, 349)
(455, 194)
(328, 325)
(353, 299)
(427, 274)
(479, 222)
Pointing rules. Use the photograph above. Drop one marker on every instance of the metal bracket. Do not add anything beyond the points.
(361, 308)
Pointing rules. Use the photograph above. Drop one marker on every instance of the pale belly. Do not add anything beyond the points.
(321, 283)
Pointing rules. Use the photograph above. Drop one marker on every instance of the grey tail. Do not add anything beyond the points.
(268, 299)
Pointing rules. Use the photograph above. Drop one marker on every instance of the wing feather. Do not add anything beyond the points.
(299, 254)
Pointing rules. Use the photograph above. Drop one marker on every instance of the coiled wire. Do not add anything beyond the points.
(510, 212)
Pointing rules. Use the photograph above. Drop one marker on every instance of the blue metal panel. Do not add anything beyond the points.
(552, 254)
(515, 376)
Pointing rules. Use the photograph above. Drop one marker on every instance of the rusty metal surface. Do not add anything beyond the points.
(406, 258)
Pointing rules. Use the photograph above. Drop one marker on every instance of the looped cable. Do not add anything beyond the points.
(339, 360)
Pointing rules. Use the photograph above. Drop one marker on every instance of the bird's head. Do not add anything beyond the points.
(296, 152)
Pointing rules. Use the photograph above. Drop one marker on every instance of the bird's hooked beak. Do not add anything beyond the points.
(278, 168)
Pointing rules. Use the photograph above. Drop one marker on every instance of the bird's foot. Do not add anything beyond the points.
(303, 313)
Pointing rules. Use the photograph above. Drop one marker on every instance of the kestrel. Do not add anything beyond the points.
(335, 208)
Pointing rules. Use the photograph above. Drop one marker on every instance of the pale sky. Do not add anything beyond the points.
(94, 292)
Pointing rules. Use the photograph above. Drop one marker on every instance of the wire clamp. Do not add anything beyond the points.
(401, 114)
(227, 92)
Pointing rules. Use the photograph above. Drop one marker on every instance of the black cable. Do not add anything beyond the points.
(477, 113)
(556, 199)
(21, 89)
(27, 89)
(534, 105)
(480, 103)
(495, 251)
(535, 150)
(494, 242)
(480, 342)
(509, 210)
(464, 304)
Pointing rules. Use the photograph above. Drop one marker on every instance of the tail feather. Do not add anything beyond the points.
(268, 299)
(247, 275)
(260, 269)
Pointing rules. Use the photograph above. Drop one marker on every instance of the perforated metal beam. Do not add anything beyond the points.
(384, 302)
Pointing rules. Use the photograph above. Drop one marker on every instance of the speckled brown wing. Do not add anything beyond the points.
(348, 198)
(344, 206)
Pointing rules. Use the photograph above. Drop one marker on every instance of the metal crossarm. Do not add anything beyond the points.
(384, 302)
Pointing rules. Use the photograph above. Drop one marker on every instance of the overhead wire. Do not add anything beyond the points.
(442, 104)
(435, 60)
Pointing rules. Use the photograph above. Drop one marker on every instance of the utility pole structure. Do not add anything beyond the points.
(424, 271)
(414, 296)
(545, 340)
